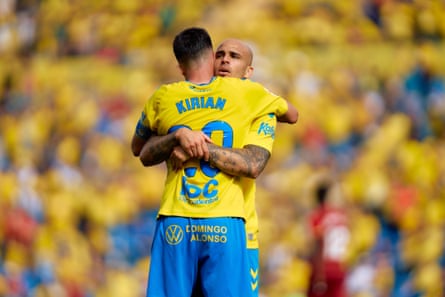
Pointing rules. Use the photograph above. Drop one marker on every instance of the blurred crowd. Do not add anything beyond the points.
(77, 210)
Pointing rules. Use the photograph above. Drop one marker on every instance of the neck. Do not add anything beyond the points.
(199, 75)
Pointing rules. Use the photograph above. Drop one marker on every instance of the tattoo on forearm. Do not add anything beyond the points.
(159, 152)
(258, 155)
(158, 149)
(249, 161)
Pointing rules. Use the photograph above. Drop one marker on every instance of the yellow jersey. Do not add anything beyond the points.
(224, 109)
(262, 133)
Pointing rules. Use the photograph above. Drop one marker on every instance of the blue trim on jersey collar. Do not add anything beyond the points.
(203, 84)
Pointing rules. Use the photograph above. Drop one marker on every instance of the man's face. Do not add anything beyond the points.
(233, 59)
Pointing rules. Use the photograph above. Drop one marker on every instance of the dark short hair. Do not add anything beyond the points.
(321, 192)
(190, 44)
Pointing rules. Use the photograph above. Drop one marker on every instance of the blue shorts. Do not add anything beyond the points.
(253, 268)
(209, 253)
(254, 271)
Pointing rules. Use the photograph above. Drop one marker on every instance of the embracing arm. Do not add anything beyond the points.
(137, 143)
(291, 116)
(152, 150)
(249, 161)
(159, 148)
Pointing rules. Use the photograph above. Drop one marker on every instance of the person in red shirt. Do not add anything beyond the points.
(330, 238)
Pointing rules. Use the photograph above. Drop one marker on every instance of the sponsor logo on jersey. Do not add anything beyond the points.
(174, 234)
(200, 194)
(266, 129)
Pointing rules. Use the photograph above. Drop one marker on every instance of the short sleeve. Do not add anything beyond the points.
(262, 131)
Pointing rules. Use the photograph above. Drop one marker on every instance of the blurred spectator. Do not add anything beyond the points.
(368, 78)
(331, 237)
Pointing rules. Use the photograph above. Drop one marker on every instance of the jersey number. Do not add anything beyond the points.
(210, 189)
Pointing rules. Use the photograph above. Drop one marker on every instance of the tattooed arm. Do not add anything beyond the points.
(249, 161)
(184, 144)
(158, 148)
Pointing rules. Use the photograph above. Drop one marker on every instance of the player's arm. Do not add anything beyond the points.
(153, 149)
(137, 143)
(159, 148)
(291, 116)
(141, 134)
(249, 161)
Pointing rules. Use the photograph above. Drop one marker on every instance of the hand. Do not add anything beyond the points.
(178, 157)
(194, 143)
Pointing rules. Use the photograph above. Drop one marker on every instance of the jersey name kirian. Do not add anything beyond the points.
(194, 103)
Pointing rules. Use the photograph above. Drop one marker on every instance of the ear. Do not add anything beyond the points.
(249, 71)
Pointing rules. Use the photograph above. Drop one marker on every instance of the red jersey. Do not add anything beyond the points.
(329, 227)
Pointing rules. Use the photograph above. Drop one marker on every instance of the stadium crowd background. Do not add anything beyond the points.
(368, 77)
